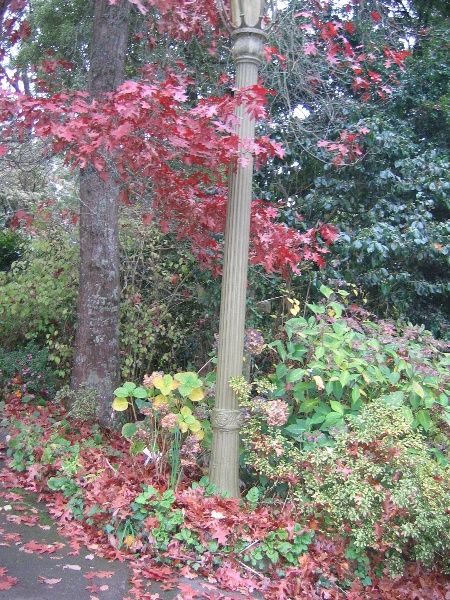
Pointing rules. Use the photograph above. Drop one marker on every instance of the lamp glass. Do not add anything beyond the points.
(251, 10)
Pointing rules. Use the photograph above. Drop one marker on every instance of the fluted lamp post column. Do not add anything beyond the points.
(247, 21)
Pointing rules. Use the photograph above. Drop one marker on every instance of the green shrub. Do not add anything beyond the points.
(10, 248)
(38, 296)
(27, 370)
(340, 358)
(83, 403)
(379, 486)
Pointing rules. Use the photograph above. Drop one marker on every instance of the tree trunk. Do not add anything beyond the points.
(96, 361)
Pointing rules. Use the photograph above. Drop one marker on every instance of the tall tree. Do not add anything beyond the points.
(97, 359)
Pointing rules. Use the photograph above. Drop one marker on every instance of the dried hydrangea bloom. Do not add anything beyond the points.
(170, 421)
(146, 410)
(189, 451)
(201, 412)
(140, 435)
(277, 413)
(148, 379)
(253, 341)
(162, 408)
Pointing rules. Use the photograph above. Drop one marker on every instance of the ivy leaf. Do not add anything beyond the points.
(253, 494)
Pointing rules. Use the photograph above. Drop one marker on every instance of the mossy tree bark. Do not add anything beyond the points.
(96, 360)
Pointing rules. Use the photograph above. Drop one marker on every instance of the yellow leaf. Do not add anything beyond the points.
(319, 382)
(166, 383)
(200, 435)
(120, 404)
(418, 389)
(295, 309)
(196, 395)
(183, 426)
(160, 399)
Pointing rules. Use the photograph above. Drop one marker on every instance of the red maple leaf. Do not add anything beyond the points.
(375, 16)
(99, 574)
(6, 582)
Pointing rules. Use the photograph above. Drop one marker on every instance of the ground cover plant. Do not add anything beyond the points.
(345, 493)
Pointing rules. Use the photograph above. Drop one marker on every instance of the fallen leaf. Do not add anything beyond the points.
(6, 582)
(99, 574)
(103, 588)
(33, 546)
(43, 579)
(72, 567)
(187, 572)
(217, 515)
(89, 557)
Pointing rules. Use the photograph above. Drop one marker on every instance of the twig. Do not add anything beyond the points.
(249, 546)
(111, 467)
(205, 365)
(250, 569)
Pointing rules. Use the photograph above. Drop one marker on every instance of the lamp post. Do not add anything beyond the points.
(247, 24)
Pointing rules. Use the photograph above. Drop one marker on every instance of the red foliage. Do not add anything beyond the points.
(210, 518)
(149, 133)
(6, 582)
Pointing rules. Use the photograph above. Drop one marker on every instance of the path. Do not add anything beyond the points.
(42, 565)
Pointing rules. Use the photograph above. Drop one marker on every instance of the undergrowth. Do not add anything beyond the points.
(89, 480)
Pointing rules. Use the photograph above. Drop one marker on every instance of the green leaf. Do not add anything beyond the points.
(423, 416)
(316, 309)
(253, 494)
(414, 400)
(326, 291)
(295, 375)
(295, 430)
(418, 389)
(124, 392)
(394, 377)
(282, 352)
(356, 394)
(308, 405)
(337, 307)
(281, 370)
(337, 407)
(140, 392)
(344, 378)
(129, 429)
(137, 448)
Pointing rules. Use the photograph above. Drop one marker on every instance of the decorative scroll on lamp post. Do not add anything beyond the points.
(249, 22)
